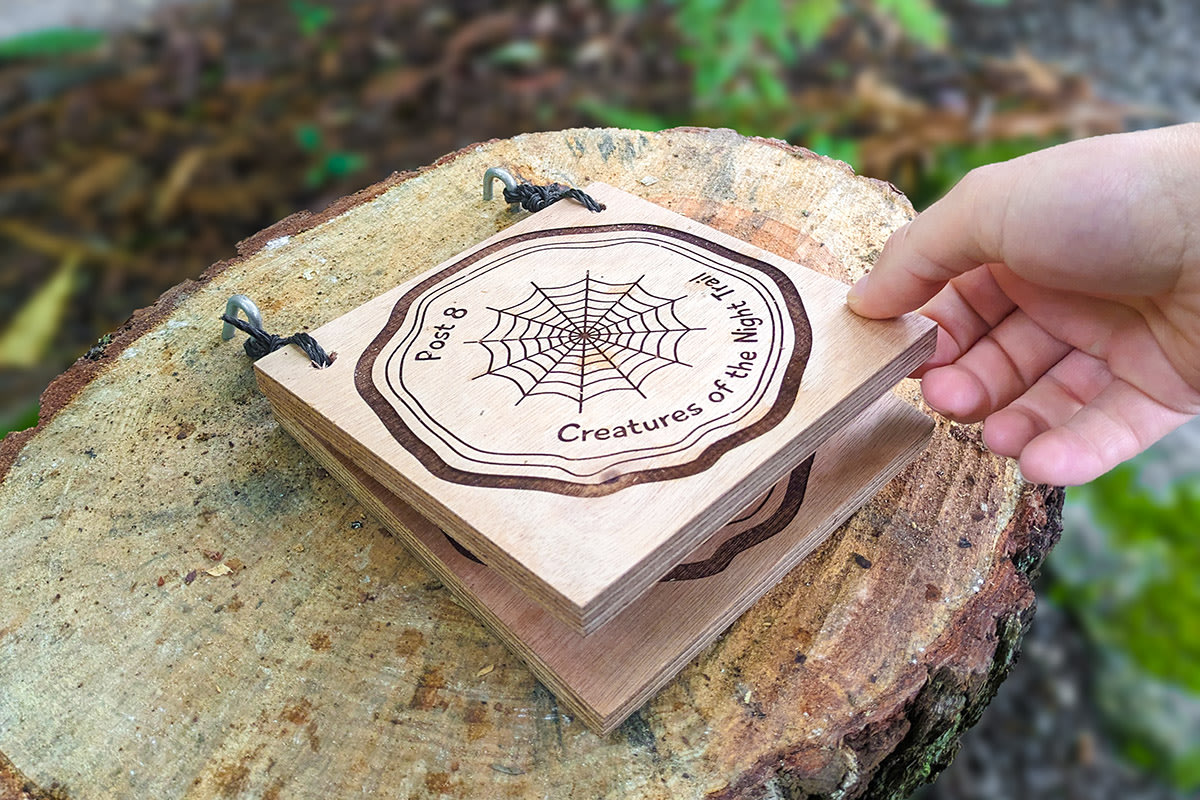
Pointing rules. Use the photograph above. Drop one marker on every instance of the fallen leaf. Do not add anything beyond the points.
(1042, 78)
(166, 199)
(219, 570)
(485, 670)
(25, 340)
(100, 178)
(397, 85)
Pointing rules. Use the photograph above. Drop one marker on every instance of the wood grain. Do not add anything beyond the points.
(330, 663)
(586, 527)
(605, 676)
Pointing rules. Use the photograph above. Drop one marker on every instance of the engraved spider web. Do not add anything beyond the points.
(585, 339)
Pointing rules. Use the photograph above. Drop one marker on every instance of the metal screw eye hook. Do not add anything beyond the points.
(501, 174)
(240, 302)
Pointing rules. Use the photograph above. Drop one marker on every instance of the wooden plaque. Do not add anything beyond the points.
(608, 355)
(606, 676)
(584, 398)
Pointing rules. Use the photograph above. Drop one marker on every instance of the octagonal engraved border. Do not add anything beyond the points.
(412, 442)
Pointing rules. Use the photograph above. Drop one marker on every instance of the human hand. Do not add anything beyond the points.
(1066, 288)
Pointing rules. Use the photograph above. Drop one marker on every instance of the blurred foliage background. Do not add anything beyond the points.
(132, 157)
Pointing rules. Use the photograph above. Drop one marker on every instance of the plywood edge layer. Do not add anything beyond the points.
(604, 707)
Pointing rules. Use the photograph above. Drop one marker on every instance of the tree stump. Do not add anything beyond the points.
(194, 608)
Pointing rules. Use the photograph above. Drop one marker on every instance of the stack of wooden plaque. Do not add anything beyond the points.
(608, 433)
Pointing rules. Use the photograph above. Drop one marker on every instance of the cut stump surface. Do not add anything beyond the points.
(193, 607)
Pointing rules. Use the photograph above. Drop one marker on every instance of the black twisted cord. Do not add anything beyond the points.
(535, 198)
(260, 343)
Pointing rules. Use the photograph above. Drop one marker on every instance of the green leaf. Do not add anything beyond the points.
(311, 17)
(24, 342)
(21, 419)
(812, 19)
(838, 147)
(51, 42)
(633, 119)
(628, 6)
(709, 78)
(707, 40)
(771, 90)
(767, 19)
(1142, 599)
(340, 164)
(314, 176)
(919, 19)
(308, 136)
(518, 53)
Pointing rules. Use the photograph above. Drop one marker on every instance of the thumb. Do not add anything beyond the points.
(956, 234)
(1110, 214)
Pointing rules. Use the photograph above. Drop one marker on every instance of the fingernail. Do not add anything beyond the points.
(855, 295)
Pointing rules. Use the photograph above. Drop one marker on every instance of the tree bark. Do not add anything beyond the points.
(194, 607)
